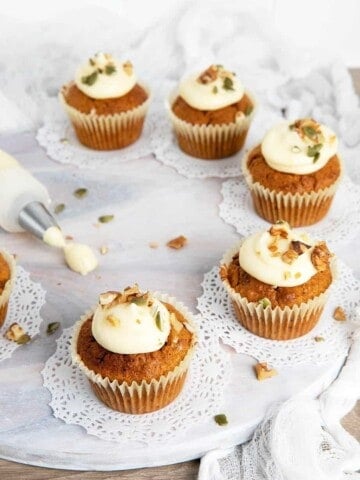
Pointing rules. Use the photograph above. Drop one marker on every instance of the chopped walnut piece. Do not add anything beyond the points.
(289, 256)
(278, 232)
(107, 297)
(177, 243)
(209, 75)
(263, 371)
(299, 247)
(128, 68)
(320, 256)
(339, 314)
(273, 248)
(17, 334)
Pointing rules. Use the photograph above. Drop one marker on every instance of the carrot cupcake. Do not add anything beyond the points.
(294, 173)
(211, 114)
(135, 349)
(7, 278)
(278, 281)
(105, 103)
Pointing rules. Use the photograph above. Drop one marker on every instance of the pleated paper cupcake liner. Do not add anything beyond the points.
(210, 142)
(144, 397)
(107, 132)
(299, 209)
(275, 323)
(5, 295)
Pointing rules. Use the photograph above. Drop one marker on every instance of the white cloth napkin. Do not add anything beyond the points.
(302, 439)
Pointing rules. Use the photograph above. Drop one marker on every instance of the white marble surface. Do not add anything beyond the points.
(150, 203)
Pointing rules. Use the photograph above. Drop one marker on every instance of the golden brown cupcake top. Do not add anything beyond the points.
(4, 273)
(141, 366)
(280, 266)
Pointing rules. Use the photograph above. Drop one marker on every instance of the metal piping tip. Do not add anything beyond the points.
(36, 219)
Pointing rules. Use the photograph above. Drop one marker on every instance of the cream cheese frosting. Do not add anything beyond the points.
(279, 256)
(7, 161)
(212, 89)
(103, 76)
(300, 148)
(130, 322)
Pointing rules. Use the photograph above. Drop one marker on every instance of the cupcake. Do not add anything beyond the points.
(211, 114)
(135, 349)
(105, 104)
(7, 278)
(294, 173)
(278, 281)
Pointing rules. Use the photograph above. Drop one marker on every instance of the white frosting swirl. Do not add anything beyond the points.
(259, 261)
(80, 258)
(102, 76)
(7, 161)
(128, 328)
(284, 150)
(211, 95)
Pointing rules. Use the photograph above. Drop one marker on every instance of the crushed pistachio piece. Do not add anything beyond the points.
(90, 79)
(248, 111)
(295, 149)
(319, 339)
(110, 69)
(14, 332)
(106, 218)
(24, 339)
(314, 151)
(264, 302)
(297, 274)
(80, 192)
(215, 89)
(221, 419)
(64, 140)
(59, 208)
(52, 327)
(158, 321)
(104, 249)
(339, 314)
(228, 84)
(91, 61)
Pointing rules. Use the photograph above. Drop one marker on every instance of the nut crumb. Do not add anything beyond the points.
(320, 257)
(319, 339)
(69, 237)
(339, 314)
(177, 243)
(104, 250)
(289, 256)
(153, 245)
(278, 232)
(263, 371)
(17, 334)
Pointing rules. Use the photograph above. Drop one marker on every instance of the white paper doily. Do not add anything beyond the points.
(216, 307)
(341, 224)
(58, 138)
(74, 402)
(25, 304)
(167, 151)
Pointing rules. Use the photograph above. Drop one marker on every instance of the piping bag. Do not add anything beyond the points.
(24, 203)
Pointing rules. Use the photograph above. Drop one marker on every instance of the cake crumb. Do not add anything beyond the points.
(339, 314)
(177, 243)
(263, 371)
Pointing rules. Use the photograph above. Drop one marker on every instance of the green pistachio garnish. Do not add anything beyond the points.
(59, 208)
(109, 69)
(106, 218)
(90, 79)
(221, 419)
(314, 151)
(64, 140)
(228, 84)
(319, 339)
(264, 302)
(80, 192)
(249, 110)
(158, 321)
(23, 339)
(219, 66)
(295, 149)
(52, 327)
(91, 61)
(310, 132)
(215, 89)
